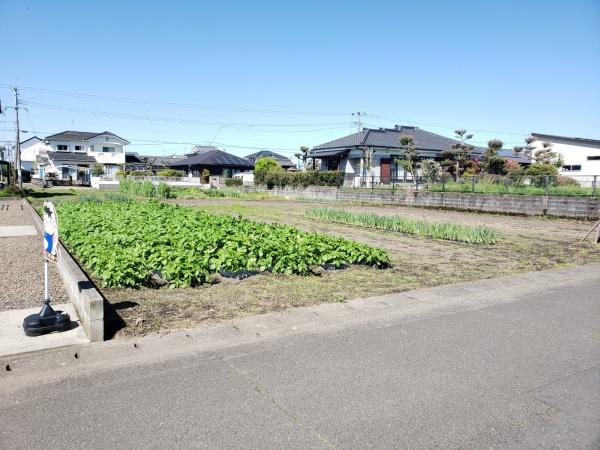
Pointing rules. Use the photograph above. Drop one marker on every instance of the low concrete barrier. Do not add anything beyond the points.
(530, 205)
(83, 295)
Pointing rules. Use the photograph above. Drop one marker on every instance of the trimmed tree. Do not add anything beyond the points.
(491, 162)
(431, 170)
(410, 163)
(458, 155)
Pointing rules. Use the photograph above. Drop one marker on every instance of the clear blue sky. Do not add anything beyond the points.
(283, 74)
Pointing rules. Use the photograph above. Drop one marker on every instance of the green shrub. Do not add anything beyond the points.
(264, 167)
(169, 173)
(140, 173)
(333, 178)
(229, 182)
(97, 170)
(142, 188)
(562, 180)
(163, 190)
(542, 175)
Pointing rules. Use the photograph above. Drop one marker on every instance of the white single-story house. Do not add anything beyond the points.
(70, 155)
(350, 153)
(581, 156)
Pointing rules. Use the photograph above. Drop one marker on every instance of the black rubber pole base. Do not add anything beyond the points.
(46, 321)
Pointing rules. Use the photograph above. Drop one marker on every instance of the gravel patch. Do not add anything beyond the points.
(22, 265)
(12, 212)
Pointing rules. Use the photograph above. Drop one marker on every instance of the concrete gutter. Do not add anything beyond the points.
(84, 296)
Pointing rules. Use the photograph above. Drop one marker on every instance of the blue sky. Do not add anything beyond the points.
(279, 75)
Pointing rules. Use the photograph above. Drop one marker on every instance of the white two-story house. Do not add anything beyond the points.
(71, 155)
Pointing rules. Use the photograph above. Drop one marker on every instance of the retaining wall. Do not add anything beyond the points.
(83, 295)
(530, 205)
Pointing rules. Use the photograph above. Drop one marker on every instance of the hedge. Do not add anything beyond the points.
(303, 179)
(230, 182)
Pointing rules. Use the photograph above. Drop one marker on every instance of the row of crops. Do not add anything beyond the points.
(123, 242)
(435, 230)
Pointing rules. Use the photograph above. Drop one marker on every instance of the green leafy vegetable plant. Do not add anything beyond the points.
(123, 242)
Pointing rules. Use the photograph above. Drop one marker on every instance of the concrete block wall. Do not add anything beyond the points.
(531, 205)
(86, 299)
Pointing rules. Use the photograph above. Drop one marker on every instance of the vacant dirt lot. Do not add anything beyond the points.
(527, 244)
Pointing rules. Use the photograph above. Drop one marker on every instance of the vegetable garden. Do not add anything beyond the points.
(436, 230)
(124, 242)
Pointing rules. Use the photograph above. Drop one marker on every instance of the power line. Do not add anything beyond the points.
(179, 105)
(176, 120)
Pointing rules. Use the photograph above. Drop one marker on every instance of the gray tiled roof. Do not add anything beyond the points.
(78, 136)
(390, 138)
(282, 160)
(71, 156)
(213, 158)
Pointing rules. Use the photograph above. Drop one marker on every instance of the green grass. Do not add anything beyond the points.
(518, 189)
(435, 230)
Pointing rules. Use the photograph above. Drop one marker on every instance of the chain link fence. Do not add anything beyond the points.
(578, 185)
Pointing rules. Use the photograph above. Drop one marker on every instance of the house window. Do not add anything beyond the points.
(108, 149)
(61, 147)
(571, 168)
(78, 148)
(594, 158)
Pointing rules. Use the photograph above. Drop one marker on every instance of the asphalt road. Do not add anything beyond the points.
(512, 367)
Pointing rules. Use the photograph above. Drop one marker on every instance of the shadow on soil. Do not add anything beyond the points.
(113, 322)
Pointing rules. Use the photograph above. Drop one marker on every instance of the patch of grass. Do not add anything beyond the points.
(435, 230)
(516, 188)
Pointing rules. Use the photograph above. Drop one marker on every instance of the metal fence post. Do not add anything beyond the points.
(546, 183)
(594, 185)
(473, 184)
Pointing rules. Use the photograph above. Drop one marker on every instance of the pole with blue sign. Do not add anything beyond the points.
(48, 320)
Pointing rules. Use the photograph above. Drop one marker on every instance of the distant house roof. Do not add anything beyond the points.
(133, 158)
(201, 149)
(389, 138)
(282, 160)
(213, 158)
(71, 157)
(550, 137)
(79, 136)
(136, 158)
(30, 139)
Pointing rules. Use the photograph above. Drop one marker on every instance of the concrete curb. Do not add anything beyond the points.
(86, 299)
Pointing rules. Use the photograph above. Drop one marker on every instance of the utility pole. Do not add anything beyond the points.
(17, 179)
(358, 122)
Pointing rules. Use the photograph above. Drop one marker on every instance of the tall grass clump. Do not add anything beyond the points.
(435, 230)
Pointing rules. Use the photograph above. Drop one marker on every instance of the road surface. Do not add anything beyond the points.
(505, 363)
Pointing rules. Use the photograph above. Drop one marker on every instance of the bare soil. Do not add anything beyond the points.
(527, 244)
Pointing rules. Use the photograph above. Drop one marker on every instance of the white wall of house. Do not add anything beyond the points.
(29, 150)
(107, 149)
(581, 159)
